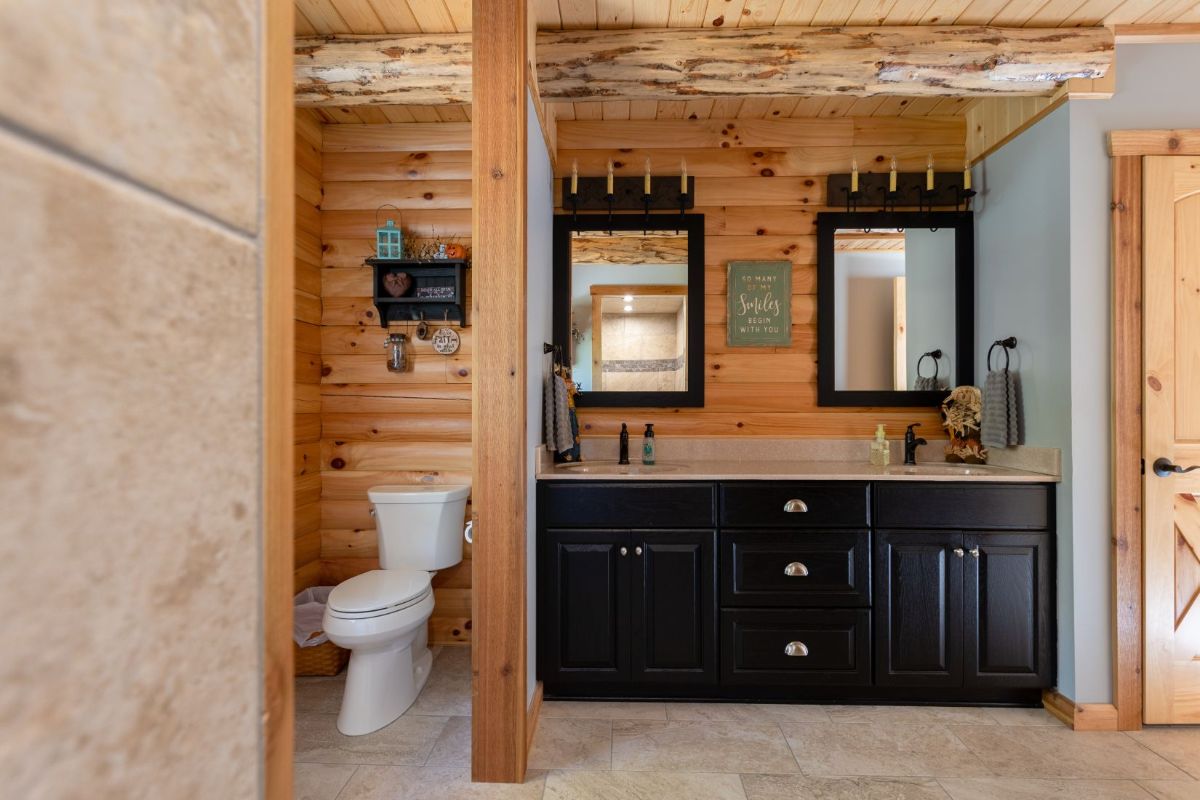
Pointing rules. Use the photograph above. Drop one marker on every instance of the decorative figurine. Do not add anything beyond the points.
(962, 412)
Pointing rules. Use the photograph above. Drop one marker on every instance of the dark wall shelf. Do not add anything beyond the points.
(409, 307)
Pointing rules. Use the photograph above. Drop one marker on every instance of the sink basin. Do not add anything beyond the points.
(613, 468)
(941, 469)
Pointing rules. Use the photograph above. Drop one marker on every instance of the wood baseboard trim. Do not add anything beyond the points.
(1085, 717)
(531, 717)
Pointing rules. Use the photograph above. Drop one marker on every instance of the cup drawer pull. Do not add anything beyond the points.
(795, 506)
(795, 570)
(796, 649)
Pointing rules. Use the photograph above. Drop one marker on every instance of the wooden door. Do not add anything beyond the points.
(1171, 399)
(919, 608)
(674, 600)
(1008, 616)
(584, 607)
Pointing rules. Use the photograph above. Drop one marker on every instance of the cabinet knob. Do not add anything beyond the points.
(637, 551)
(795, 506)
(795, 649)
(795, 570)
(974, 551)
(958, 551)
(624, 551)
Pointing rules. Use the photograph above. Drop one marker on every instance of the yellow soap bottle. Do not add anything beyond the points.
(881, 452)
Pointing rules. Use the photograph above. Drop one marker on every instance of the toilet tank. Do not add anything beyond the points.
(419, 526)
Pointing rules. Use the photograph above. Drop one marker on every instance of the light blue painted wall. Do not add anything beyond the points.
(1067, 392)
(1022, 285)
(929, 302)
(539, 267)
(1156, 88)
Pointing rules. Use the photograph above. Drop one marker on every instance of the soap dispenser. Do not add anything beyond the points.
(881, 452)
(648, 444)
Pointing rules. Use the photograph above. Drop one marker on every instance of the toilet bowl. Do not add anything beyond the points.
(382, 616)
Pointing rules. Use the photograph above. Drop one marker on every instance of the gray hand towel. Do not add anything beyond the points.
(557, 413)
(1001, 413)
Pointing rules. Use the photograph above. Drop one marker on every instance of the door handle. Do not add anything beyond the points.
(637, 551)
(795, 570)
(974, 551)
(795, 649)
(1163, 468)
(624, 551)
(795, 506)
(958, 551)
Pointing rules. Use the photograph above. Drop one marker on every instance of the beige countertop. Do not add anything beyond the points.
(711, 470)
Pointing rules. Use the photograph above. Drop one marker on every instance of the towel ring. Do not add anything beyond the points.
(935, 355)
(1006, 344)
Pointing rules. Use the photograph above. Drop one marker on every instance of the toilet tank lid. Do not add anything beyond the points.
(420, 493)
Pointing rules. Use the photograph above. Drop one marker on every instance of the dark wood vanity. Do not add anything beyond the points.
(802, 591)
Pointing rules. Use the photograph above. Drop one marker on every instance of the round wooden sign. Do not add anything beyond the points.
(446, 341)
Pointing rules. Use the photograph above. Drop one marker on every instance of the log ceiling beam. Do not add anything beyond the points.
(644, 64)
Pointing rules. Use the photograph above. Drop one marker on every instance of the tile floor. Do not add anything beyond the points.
(736, 751)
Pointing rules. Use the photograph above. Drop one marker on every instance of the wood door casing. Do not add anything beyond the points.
(1171, 396)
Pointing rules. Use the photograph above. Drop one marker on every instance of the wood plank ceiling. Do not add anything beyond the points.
(317, 17)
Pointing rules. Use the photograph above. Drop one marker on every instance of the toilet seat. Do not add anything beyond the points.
(378, 593)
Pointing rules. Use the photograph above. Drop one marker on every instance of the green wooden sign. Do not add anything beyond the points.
(760, 303)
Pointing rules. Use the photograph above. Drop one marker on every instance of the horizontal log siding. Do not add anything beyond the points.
(379, 427)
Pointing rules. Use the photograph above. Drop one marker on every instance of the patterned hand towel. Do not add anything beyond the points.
(557, 413)
(1001, 412)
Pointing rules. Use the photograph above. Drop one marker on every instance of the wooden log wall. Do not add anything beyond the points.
(760, 184)
(308, 351)
(379, 427)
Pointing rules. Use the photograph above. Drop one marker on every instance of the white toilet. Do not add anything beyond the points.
(381, 616)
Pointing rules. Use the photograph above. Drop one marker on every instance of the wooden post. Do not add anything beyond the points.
(278, 495)
(498, 139)
(1127, 441)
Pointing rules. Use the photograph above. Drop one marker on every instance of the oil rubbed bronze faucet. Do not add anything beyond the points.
(911, 443)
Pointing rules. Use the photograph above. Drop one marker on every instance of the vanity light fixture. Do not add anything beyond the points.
(628, 298)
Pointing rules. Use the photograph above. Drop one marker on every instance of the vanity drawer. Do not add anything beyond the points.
(827, 647)
(781, 568)
(964, 506)
(765, 504)
(626, 504)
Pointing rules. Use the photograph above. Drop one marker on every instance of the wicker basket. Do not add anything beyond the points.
(324, 659)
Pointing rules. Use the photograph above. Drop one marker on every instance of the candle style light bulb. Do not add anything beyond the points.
(575, 176)
(853, 175)
(892, 176)
(967, 175)
(646, 181)
(929, 173)
(610, 176)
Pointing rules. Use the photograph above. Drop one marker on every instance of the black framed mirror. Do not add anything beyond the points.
(895, 306)
(629, 307)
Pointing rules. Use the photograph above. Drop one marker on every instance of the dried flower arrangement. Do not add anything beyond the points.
(962, 412)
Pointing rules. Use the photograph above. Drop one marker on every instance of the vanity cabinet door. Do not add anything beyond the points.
(1008, 610)
(583, 606)
(674, 628)
(919, 608)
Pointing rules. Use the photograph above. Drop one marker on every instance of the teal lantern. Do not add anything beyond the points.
(389, 242)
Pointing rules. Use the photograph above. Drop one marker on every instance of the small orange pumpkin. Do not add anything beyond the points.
(455, 250)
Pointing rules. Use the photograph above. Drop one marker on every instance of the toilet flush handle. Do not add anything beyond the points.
(469, 532)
